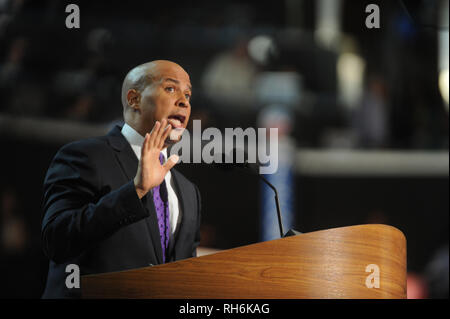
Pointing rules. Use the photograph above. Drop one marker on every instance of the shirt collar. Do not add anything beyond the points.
(136, 140)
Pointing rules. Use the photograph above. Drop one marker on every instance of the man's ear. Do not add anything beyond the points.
(133, 99)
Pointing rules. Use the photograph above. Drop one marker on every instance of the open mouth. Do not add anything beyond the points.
(177, 120)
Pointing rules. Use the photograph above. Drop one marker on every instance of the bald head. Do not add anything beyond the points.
(155, 91)
(143, 75)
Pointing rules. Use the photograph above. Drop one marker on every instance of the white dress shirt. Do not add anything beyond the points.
(136, 140)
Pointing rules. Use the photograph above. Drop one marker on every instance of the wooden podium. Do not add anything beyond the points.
(333, 263)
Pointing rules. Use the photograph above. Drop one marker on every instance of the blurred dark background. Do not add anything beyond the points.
(351, 90)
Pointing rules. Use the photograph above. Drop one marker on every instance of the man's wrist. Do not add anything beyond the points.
(139, 191)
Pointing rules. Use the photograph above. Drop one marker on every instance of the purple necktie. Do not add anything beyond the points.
(162, 212)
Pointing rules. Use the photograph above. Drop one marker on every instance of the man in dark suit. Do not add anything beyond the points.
(113, 203)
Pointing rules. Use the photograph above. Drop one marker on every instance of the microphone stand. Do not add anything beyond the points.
(280, 223)
(225, 165)
(291, 232)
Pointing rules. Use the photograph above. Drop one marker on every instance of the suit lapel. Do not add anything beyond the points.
(124, 153)
(129, 163)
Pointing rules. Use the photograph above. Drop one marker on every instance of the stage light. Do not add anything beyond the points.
(443, 52)
(260, 48)
(443, 86)
(350, 71)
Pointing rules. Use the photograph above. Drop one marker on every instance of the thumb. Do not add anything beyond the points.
(171, 162)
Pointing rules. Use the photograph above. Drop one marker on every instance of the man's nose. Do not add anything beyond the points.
(182, 101)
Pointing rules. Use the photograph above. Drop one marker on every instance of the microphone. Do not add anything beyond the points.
(253, 168)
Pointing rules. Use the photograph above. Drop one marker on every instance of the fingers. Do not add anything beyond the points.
(165, 134)
(171, 162)
(153, 134)
(159, 134)
(145, 144)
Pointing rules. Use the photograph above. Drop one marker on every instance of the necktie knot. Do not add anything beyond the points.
(161, 158)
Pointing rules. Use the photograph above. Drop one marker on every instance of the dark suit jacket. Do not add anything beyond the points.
(94, 218)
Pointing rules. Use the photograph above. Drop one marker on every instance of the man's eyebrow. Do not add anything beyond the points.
(176, 81)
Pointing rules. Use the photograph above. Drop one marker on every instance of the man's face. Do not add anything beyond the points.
(168, 97)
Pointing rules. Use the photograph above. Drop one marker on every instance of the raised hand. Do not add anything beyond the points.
(150, 172)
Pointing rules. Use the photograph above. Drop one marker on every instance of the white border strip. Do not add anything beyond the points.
(365, 163)
(308, 161)
(49, 130)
